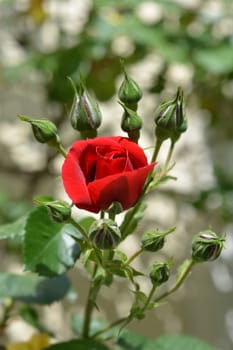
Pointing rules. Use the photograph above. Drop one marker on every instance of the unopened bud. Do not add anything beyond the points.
(85, 115)
(154, 240)
(44, 130)
(207, 246)
(159, 273)
(105, 234)
(58, 210)
(170, 118)
(129, 91)
(131, 123)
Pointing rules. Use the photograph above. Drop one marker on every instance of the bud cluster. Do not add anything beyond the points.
(129, 95)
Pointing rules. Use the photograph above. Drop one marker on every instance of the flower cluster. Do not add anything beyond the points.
(111, 175)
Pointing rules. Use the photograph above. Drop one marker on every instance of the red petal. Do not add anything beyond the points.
(73, 178)
(124, 188)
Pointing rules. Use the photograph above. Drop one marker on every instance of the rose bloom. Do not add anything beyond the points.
(103, 170)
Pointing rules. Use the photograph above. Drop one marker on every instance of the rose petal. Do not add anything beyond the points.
(135, 153)
(124, 188)
(73, 178)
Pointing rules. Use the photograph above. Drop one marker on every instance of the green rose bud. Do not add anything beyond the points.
(207, 246)
(85, 115)
(58, 210)
(44, 130)
(129, 91)
(154, 240)
(105, 234)
(170, 118)
(131, 123)
(159, 273)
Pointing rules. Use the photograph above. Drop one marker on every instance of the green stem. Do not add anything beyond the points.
(80, 229)
(178, 282)
(149, 297)
(124, 226)
(135, 255)
(89, 306)
(61, 150)
(111, 216)
(156, 149)
(169, 155)
(110, 326)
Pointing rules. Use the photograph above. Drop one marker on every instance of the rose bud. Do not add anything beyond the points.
(207, 246)
(85, 115)
(159, 273)
(44, 130)
(129, 91)
(59, 211)
(131, 123)
(154, 240)
(105, 234)
(170, 118)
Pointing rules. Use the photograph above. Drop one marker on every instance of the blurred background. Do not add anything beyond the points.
(165, 43)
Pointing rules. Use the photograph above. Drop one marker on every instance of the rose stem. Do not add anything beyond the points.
(158, 144)
(169, 155)
(110, 326)
(61, 150)
(80, 229)
(172, 290)
(123, 319)
(89, 306)
(135, 255)
(178, 282)
(149, 297)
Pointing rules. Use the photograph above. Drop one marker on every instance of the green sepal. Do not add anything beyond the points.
(44, 130)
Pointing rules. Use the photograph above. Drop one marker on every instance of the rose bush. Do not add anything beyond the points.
(103, 170)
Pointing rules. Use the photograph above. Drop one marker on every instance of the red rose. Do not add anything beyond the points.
(103, 170)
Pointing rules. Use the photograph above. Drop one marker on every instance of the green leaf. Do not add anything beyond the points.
(14, 229)
(32, 288)
(134, 341)
(218, 60)
(86, 222)
(79, 344)
(127, 229)
(181, 342)
(48, 248)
